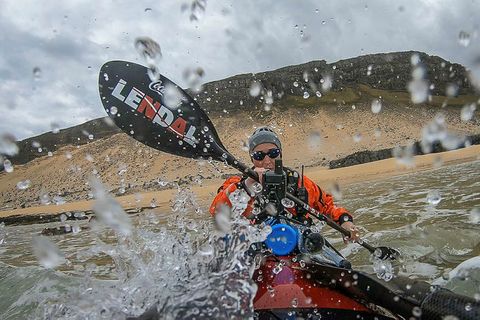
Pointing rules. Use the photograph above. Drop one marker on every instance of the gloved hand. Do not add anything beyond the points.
(354, 233)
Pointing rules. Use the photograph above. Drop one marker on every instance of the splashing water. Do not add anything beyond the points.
(47, 253)
(7, 145)
(148, 48)
(150, 51)
(193, 77)
(382, 268)
(467, 112)
(327, 83)
(404, 155)
(418, 87)
(433, 197)
(376, 106)
(464, 38)
(314, 140)
(37, 73)
(24, 184)
(7, 166)
(108, 210)
(474, 216)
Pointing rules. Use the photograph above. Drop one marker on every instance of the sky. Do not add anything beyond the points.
(51, 51)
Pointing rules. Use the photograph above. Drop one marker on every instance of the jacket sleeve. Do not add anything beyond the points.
(228, 188)
(323, 202)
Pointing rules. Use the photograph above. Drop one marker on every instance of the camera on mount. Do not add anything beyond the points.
(275, 186)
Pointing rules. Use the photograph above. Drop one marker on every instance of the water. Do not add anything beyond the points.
(178, 261)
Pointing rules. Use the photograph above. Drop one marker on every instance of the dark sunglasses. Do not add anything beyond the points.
(260, 155)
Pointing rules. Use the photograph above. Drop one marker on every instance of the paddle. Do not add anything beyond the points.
(161, 115)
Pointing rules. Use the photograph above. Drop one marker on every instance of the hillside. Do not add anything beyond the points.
(314, 130)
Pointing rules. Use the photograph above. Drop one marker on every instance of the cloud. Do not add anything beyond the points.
(70, 40)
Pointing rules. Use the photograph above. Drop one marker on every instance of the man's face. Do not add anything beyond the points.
(267, 162)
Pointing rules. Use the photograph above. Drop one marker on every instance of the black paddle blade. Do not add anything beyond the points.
(157, 113)
(385, 253)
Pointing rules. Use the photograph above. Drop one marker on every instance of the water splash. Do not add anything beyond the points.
(464, 38)
(433, 197)
(109, 212)
(382, 268)
(24, 184)
(8, 145)
(418, 86)
(474, 216)
(47, 253)
(314, 140)
(193, 77)
(467, 112)
(376, 106)
(7, 166)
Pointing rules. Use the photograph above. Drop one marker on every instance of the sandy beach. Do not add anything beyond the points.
(326, 178)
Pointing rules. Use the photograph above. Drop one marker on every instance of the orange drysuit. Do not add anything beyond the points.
(317, 199)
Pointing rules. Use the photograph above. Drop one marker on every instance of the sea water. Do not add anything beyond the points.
(177, 261)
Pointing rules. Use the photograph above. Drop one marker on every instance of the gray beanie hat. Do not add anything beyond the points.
(263, 135)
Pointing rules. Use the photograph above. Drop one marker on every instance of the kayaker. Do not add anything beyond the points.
(264, 147)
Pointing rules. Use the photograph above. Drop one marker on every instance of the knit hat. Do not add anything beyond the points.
(263, 135)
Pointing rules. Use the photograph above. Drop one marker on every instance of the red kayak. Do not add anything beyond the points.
(287, 290)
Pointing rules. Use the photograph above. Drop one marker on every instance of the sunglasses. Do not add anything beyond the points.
(260, 155)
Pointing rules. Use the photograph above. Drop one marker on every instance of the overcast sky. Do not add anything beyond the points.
(68, 41)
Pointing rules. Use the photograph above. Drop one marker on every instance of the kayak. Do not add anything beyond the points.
(289, 288)
(304, 286)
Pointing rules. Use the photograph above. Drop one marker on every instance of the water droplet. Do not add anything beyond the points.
(255, 89)
(63, 218)
(314, 140)
(452, 90)
(76, 229)
(318, 94)
(376, 106)
(90, 136)
(108, 211)
(257, 187)
(404, 155)
(287, 203)
(193, 77)
(418, 87)
(58, 200)
(295, 84)
(434, 197)
(8, 145)
(369, 70)
(148, 9)
(49, 154)
(357, 137)
(148, 48)
(24, 184)
(37, 73)
(415, 59)
(464, 38)
(7, 166)
(68, 155)
(294, 302)
(113, 110)
(47, 253)
(467, 112)
(474, 216)
(44, 198)
(55, 128)
(417, 312)
(336, 191)
(306, 95)
(327, 83)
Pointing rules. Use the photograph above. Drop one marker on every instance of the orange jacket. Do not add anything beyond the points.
(317, 199)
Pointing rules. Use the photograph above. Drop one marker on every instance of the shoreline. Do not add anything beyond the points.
(326, 178)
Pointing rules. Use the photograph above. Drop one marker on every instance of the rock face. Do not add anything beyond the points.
(369, 156)
(386, 71)
(39, 146)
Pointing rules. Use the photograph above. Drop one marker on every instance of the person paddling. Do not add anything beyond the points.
(264, 148)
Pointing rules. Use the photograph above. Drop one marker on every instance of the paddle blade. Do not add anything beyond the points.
(386, 253)
(157, 113)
